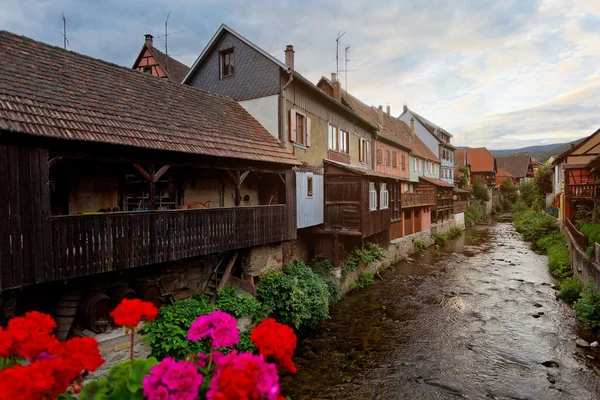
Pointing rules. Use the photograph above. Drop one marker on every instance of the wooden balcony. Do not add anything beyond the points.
(417, 199)
(95, 243)
(582, 191)
(444, 204)
(460, 206)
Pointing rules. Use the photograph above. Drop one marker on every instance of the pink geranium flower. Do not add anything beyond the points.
(219, 326)
(172, 380)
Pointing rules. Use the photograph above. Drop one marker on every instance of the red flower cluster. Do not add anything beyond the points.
(275, 341)
(130, 312)
(53, 365)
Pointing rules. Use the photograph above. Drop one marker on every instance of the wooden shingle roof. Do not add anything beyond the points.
(174, 69)
(47, 91)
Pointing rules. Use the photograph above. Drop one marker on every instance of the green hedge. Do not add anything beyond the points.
(475, 213)
(534, 225)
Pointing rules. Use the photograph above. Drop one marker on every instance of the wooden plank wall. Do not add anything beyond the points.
(342, 203)
(25, 241)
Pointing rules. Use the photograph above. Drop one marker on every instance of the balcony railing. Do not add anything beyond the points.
(417, 199)
(460, 206)
(444, 204)
(582, 191)
(89, 244)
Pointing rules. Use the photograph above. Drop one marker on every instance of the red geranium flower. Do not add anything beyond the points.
(130, 312)
(82, 353)
(28, 335)
(275, 341)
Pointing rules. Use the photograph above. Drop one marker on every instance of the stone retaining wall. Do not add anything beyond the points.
(583, 268)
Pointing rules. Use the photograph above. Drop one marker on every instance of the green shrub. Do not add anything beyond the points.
(528, 193)
(570, 289)
(519, 206)
(367, 254)
(534, 225)
(229, 301)
(588, 307)
(475, 213)
(592, 233)
(364, 280)
(322, 267)
(559, 261)
(440, 239)
(419, 244)
(454, 232)
(553, 239)
(124, 381)
(295, 296)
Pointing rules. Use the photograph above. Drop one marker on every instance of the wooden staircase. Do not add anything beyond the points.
(220, 275)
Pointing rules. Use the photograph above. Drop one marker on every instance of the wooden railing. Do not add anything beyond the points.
(444, 204)
(582, 191)
(417, 199)
(89, 244)
(460, 206)
(579, 237)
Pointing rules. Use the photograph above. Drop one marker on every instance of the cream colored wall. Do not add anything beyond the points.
(203, 189)
(93, 193)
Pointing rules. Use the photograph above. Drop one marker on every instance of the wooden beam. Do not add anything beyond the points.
(227, 272)
(233, 176)
(160, 173)
(143, 172)
(243, 176)
(52, 162)
(281, 176)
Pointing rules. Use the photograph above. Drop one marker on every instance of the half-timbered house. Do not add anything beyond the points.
(154, 62)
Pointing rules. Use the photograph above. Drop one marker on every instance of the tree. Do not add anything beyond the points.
(479, 190)
(464, 178)
(543, 179)
(528, 192)
(509, 191)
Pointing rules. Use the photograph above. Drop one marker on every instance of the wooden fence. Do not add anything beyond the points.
(579, 237)
(91, 244)
(582, 191)
(460, 206)
(417, 199)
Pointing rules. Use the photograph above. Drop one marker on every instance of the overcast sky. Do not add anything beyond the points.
(495, 73)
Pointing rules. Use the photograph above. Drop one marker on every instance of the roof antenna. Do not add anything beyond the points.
(337, 52)
(166, 36)
(346, 61)
(64, 32)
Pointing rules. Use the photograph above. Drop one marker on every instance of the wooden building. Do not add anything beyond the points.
(94, 183)
(154, 62)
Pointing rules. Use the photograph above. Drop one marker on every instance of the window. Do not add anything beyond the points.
(417, 165)
(226, 63)
(394, 160)
(364, 150)
(148, 70)
(309, 186)
(332, 138)
(344, 142)
(387, 158)
(403, 162)
(384, 195)
(379, 156)
(372, 196)
(300, 129)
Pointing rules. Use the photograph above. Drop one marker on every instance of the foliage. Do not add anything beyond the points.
(509, 191)
(419, 244)
(367, 254)
(570, 289)
(295, 296)
(479, 190)
(167, 334)
(519, 206)
(585, 215)
(124, 381)
(528, 193)
(592, 233)
(475, 213)
(454, 232)
(322, 267)
(440, 239)
(364, 280)
(588, 307)
(553, 239)
(543, 179)
(559, 261)
(533, 225)
(464, 178)
(230, 302)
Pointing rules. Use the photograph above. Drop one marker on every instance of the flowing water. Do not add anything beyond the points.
(477, 319)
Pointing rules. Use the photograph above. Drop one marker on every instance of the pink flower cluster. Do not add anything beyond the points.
(245, 377)
(218, 326)
(172, 380)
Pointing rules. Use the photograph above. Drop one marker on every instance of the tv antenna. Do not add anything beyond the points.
(64, 32)
(346, 61)
(337, 52)
(166, 36)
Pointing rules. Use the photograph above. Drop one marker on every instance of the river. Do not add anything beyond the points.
(477, 319)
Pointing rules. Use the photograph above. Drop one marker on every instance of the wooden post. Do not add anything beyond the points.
(238, 178)
(151, 189)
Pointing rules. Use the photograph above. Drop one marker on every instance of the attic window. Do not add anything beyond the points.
(148, 70)
(227, 63)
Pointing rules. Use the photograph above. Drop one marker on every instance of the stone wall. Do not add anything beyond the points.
(583, 268)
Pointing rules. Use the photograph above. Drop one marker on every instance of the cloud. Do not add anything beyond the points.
(471, 66)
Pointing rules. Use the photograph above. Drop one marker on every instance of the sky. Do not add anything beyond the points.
(501, 74)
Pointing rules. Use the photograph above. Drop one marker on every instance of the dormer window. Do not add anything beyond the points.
(227, 63)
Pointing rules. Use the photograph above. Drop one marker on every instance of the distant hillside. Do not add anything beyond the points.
(542, 153)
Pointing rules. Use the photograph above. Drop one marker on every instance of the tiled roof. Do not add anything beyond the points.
(51, 92)
(431, 127)
(562, 156)
(363, 171)
(392, 129)
(436, 182)
(420, 149)
(505, 173)
(480, 159)
(516, 165)
(175, 70)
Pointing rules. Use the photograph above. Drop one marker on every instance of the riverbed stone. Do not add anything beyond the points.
(582, 343)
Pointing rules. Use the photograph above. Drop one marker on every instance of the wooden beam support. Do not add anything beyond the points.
(143, 172)
(236, 178)
(227, 272)
(243, 176)
(160, 173)
(52, 162)
(282, 177)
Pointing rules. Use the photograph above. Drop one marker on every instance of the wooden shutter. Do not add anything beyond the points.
(293, 125)
(361, 150)
(307, 131)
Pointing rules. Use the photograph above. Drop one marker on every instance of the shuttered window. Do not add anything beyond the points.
(226, 63)
(372, 196)
(384, 195)
(394, 159)
(379, 156)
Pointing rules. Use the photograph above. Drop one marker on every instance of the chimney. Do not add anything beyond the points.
(412, 125)
(389, 110)
(289, 56)
(380, 113)
(149, 38)
(337, 87)
(404, 108)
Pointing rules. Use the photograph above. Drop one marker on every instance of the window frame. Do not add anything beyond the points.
(388, 156)
(304, 130)
(366, 151)
(394, 159)
(222, 54)
(309, 186)
(403, 159)
(332, 138)
(379, 156)
(343, 138)
(372, 196)
(384, 195)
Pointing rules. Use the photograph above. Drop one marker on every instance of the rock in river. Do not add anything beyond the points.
(582, 343)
